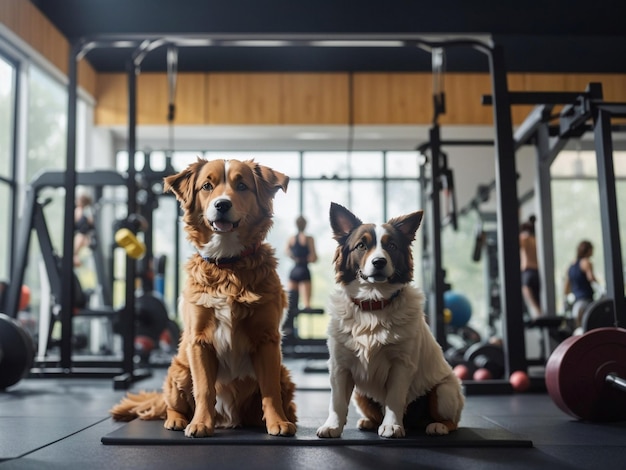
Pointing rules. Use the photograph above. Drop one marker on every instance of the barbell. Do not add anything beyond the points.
(586, 375)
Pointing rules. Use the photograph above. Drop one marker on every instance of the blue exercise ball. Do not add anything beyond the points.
(459, 306)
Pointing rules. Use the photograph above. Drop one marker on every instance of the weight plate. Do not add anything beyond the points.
(576, 372)
(18, 352)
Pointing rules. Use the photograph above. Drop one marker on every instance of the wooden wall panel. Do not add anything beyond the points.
(370, 92)
(314, 98)
(112, 99)
(322, 99)
(87, 77)
(464, 93)
(152, 98)
(392, 98)
(243, 98)
(410, 98)
(191, 99)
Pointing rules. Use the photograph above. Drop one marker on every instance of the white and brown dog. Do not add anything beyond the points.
(228, 371)
(380, 345)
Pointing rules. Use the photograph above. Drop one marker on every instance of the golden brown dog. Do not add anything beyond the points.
(228, 371)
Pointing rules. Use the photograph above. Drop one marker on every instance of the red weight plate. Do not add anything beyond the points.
(576, 372)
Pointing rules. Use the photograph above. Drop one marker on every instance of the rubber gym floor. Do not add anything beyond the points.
(59, 423)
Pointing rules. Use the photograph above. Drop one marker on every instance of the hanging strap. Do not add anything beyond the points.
(172, 72)
(439, 66)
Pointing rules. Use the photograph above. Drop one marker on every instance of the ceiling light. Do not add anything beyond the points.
(312, 136)
(258, 43)
(356, 43)
(124, 43)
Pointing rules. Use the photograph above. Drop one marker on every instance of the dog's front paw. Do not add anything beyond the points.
(391, 430)
(365, 424)
(329, 431)
(437, 429)
(281, 428)
(198, 430)
(175, 424)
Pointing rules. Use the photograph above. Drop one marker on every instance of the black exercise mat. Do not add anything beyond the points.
(139, 432)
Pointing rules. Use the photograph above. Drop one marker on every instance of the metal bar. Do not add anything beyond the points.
(436, 292)
(56, 179)
(508, 224)
(616, 381)
(543, 193)
(424, 41)
(537, 97)
(17, 143)
(23, 235)
(533, 121)
(67, 263)
(128, 316)
(456, 143)
(609, 215)
(47, 253)
(614, 109)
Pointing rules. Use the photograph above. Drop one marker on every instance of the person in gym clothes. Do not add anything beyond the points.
(84, 224)
(531, 286)
(301, 249)
(579, 280)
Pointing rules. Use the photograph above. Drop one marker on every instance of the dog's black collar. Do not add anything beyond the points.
(223, 262)
(372, 305)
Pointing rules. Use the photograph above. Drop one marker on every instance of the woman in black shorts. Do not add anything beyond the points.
(301, 249)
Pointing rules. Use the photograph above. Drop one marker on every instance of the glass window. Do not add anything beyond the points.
(47, 123)
(7, 122)
(316, 204)
(181, 160)
(366, 200)
(328, 165)
(402, 164)
(366, 164)
(7, 118)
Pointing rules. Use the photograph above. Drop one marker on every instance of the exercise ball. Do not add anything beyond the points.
(459, 306)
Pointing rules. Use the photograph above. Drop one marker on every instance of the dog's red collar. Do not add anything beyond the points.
(372, 305)
(223, 262)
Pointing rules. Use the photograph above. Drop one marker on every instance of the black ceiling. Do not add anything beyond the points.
(536, 35)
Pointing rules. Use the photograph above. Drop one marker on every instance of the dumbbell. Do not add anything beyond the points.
(488, 360)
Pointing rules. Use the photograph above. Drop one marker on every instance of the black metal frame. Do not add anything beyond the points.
(581, 107)
(34, 219)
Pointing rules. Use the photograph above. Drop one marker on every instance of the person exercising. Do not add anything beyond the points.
(531, 286)
(84, 225)
(579, 280)
(301, 249)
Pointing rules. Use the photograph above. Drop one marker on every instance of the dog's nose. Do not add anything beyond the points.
(379, 263)
(223, 205)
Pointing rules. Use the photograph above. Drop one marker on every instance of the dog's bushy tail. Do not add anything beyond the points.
(142, 405)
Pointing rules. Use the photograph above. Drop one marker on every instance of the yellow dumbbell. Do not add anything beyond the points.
(127, 240)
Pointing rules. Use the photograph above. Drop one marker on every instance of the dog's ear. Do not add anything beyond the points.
(342, 221)
(182, 184)
(268, 183)
(407, 224)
